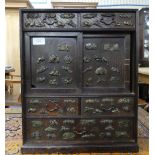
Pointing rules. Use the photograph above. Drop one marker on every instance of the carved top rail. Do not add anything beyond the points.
(78, 20)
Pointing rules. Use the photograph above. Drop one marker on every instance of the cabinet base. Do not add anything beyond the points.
(79, 148)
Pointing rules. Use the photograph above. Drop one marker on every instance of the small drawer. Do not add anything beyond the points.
(108, 20)
(80, 129)
(52, 106)
(107, 105)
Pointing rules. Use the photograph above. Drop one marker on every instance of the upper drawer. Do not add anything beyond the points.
(77, 20)
(107, 20)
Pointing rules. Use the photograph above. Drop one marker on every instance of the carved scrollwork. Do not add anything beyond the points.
(90, 15)
(90, 46)
(100, 59)
(108, 19)
(35, 101)
(86, 122)
(124, 100)
(105, 134)
(51, 135)
(67, 15)
(114, 78)
(114, 69)
(121, 134)
(67, 81)
(53, 122)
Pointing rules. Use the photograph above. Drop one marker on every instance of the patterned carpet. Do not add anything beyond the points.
(13, 132)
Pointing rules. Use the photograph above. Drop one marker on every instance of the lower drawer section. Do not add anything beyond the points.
(79, 129)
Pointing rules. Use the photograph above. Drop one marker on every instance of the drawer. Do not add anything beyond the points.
(52, 106)
(79, 129)
(39, 20)
(107, 106)
(108, 20)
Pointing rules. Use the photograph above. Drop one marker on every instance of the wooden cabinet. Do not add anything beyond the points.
(79, 80)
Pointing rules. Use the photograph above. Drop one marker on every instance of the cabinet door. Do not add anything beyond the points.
(106, 63)
(51, 62)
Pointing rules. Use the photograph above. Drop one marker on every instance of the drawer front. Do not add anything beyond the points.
(107, 20)
(71, 20)
(50, 20)
(107, 105)
(52, 106)
(79, 129)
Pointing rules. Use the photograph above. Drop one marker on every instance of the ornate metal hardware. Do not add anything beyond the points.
(69, 101)
(88, 69)
(108, 19)
(109, 128)
(68, 135)
(71, 110)
(36, 124)
(32, 110)
(100, 59)
(86, 59)
(107, 100)
(128, 23)
(106, 121)
(114, 69)
(35, 101)
(111, 47)
(100, 71)
(105, 134)
(64, 128)
(54, 59)
(87, 122)
(124, 100)
(88, 81)
(68, 122)
(53, 122)
(66, 68)
(51, 129)
(87, 136)
(125, 16)
(64, 47)
(41, 79)
(67, 15)
(101, 80)
(51, 135)
(90, 46)
(54, 72)
(92, 100)
(68, 59)
(40, 59)
(53, 82)
(67, 81)
(114, 78)
(36, 135)
(90, 15)
(121, 134)
(42, 69)
(123, 123)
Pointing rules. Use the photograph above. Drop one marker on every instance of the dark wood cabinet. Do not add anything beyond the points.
(79, 80)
